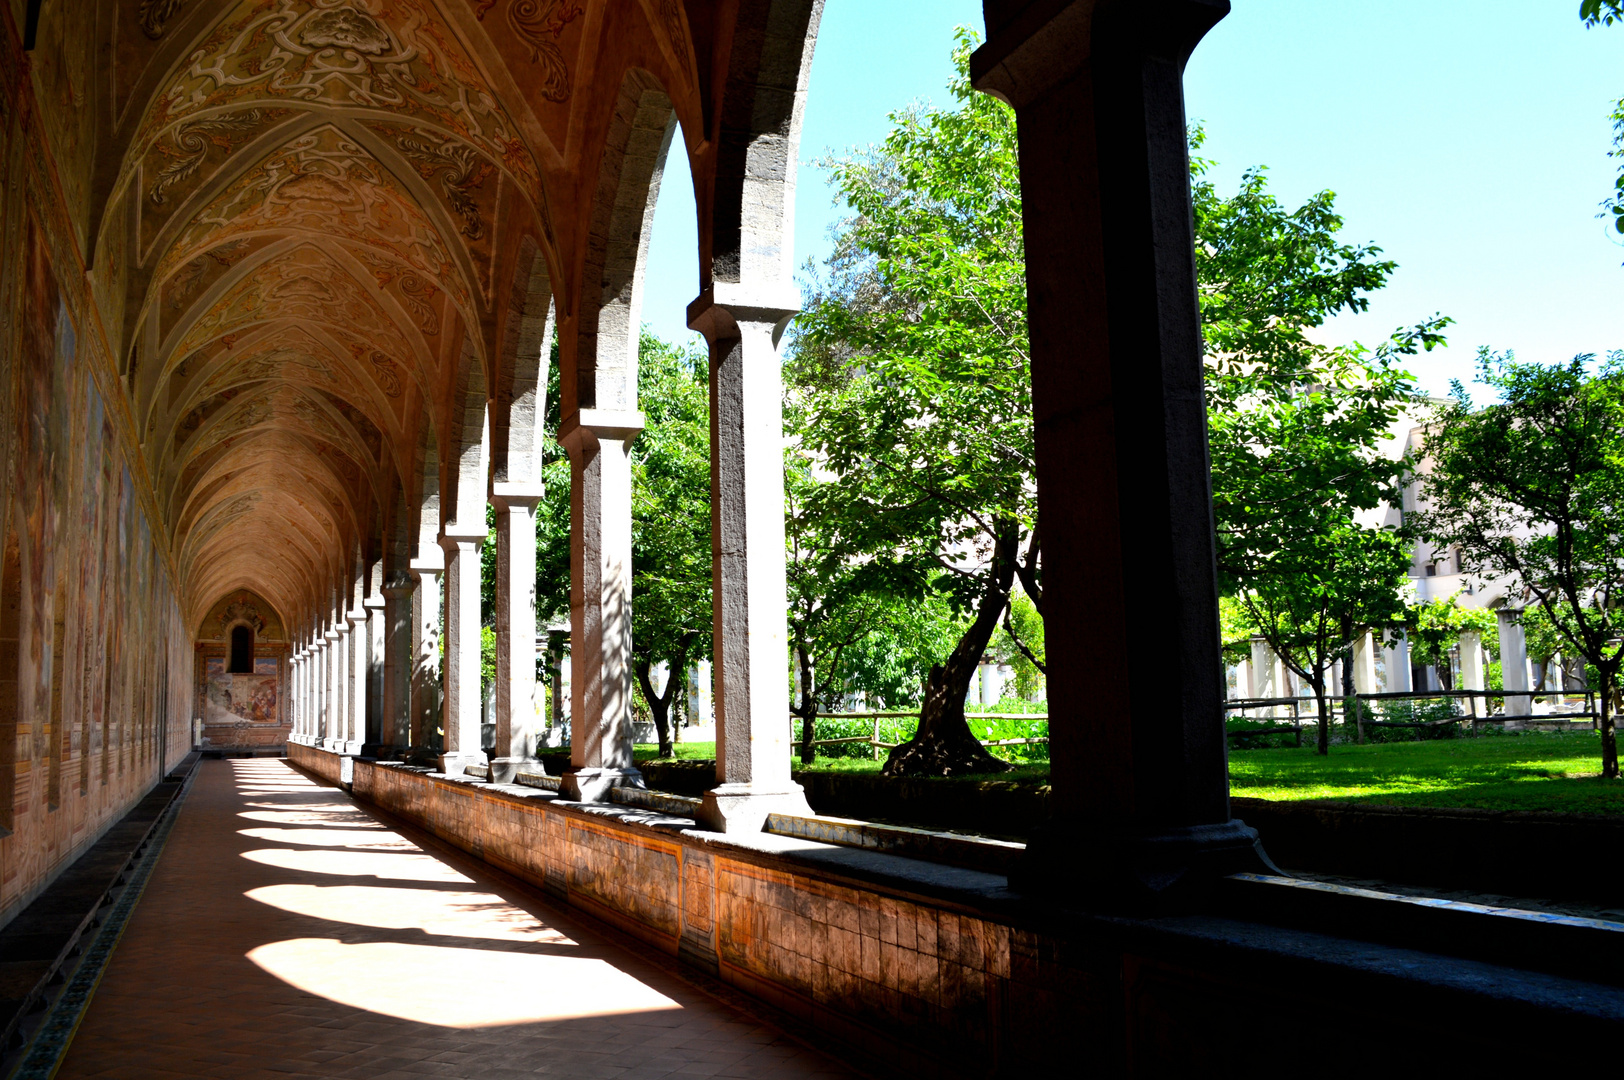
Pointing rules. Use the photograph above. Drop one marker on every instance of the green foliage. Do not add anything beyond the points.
(908, 384)
(487, 657)
(1531, 488)
(1295, 427)
(671, 511)
(1435, 627)
(1601, 12)
(1259, 734)
(1006, 648)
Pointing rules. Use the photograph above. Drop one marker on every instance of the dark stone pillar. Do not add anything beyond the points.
(1140, 795)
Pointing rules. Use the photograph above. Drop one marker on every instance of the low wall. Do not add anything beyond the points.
(1516, 853)
(932, 970)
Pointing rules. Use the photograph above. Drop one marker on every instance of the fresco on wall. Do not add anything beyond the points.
(230, 699)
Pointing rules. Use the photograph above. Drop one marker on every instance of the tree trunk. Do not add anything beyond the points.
(944, 744)
(1322, 703)
(807, 707)
(1608, 707)
(1352, 708)
(658, 706)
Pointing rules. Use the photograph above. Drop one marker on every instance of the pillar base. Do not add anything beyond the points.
(353, 747)
(333, 746)
(505, 770)
(594, 784)
(1162, 870)
(743, 808)
(457, 764)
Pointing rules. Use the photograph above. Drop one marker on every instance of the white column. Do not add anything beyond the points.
(1398, 662)
(599, 443)
(1364, 665)
(1471, 661)
(753, 738)
(425, 663)
(334, 740)
(461, 707)
(515, 630)
(375, 740)
(359, 640)
(558, 660)
(1514, 673)
(396, 691)
(699, 693)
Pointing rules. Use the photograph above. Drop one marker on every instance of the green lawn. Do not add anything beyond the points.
(1528, 771)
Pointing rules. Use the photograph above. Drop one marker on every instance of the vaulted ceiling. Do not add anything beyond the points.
(313, 225)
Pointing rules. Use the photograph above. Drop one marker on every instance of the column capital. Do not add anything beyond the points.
(424, 569)
(332, 634)
(373, 602)
(718, 310)
(453, 538)
(602, 424)
(357, 615)
(506, 496)
(1034, 45)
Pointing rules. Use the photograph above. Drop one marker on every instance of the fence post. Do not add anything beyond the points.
(1297, 722)
(875, 741)
(1359, 718)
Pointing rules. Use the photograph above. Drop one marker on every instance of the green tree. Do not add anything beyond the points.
(1531, 488)
(1295, 427)
(671, 556)
(910, 368)
(1434, 628)
(671, 523)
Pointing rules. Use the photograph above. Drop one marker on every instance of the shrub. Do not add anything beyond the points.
(1259, 734)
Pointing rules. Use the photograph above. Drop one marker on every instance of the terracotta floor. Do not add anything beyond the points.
(286, 933)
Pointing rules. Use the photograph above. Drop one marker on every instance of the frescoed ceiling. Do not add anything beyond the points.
(314, 212)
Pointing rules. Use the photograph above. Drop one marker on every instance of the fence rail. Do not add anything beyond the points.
(1339, 708)
(873, 739)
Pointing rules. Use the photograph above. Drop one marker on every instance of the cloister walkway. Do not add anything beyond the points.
(288, 933)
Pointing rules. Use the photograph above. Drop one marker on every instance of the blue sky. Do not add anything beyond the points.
(1467, 138)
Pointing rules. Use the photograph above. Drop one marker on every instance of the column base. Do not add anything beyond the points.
(353, 747)
(1152, 870)
(505, 770)
(594, 784)
(455, 764)
(743, 808)
(333, 746)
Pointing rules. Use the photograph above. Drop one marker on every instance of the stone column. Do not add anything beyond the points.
(1138, 762)
(1514, 673)
(699, 693)
(359, 640)
(556, 661)
(750, 620)
(375, 740)
(461, 707)
(1364, 665)
(1398, 662)
(330, 686)
(599, 443)
(515, 630)
(1471, 662)
(425, 663)
(397, 662)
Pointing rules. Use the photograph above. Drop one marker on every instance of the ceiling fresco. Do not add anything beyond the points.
(308, 217)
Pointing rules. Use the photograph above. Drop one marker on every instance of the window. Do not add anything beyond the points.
(242, 651)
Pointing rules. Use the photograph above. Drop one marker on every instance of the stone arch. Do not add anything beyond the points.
(464, 479)
(518, 404)
(752, 207)
(639, 137)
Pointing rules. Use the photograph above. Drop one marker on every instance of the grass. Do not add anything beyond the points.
(1037, 774)
(1522, 771)
(1526, 771)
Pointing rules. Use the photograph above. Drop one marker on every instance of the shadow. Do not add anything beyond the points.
(310, 938)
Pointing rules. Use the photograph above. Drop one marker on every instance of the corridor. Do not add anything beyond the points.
(287, 933)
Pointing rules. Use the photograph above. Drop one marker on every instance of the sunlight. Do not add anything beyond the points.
(384, 867)
(452, 987)
(451, 914)
(347, 837)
